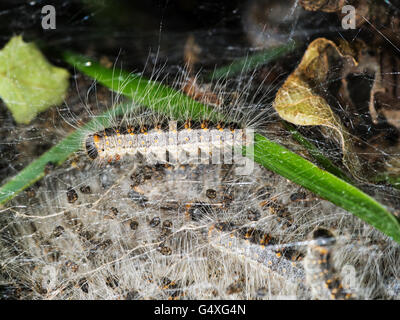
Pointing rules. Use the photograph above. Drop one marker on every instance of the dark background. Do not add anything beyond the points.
(135, 29)
(123, 27)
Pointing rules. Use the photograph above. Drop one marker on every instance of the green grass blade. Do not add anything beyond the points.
(297, 169)
(153, 94)
(35, 171)
(316, 153)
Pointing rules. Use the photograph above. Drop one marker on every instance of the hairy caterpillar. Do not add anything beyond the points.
(254, 245)
(197, 140)
(321, 276)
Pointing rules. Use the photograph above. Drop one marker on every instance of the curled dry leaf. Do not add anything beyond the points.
(301, 100)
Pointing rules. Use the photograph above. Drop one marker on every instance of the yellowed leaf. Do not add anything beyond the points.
(300, 102)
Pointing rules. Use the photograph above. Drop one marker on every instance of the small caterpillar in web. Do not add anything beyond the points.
(170, 142)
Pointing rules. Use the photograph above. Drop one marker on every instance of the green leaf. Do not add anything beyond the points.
(29, 84)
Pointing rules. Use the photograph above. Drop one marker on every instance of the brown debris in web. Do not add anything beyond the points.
(190, 86)
(323, 5)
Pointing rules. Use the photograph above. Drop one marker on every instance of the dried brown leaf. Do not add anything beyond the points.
(300, 101)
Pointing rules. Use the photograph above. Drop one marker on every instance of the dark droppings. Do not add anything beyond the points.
(72, 266)
(134, 225)
(85, 189)
(112, 282)
(167, 224)
(235, 287)
(132, 295)
(154, 222)
(84, 285)
(211, 193)
(72, 196)
(114, 211)
(165, 251)
(58, 231)
(297, 196)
